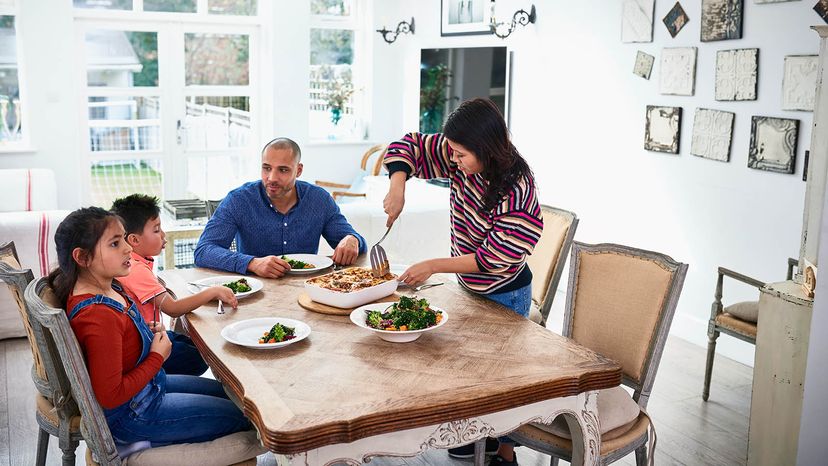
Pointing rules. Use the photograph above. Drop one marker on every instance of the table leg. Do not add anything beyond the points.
(584, 427)
(480, 452)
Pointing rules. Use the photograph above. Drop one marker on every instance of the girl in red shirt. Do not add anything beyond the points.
(124, 355)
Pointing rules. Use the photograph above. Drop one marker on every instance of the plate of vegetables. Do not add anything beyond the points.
(402, 321)
(306, 263)
(241, 286)
(266, 332)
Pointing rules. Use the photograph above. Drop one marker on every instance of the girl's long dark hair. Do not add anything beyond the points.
(80, 229)
(478, 126)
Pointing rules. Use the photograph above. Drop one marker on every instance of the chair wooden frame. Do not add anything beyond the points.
(642, 387)
(8, 249)
(714, 329)
(46, 377)
(552, 287)
(339, 188)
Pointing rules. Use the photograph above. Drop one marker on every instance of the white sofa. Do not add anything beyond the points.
(28, 216)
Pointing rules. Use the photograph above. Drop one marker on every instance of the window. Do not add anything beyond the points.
(337, 84)
(12, 112)
(171, 106)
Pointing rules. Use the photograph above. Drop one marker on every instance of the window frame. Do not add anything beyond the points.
(24, 145)
(357, 22)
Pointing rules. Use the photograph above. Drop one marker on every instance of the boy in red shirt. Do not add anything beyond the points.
(142, 222)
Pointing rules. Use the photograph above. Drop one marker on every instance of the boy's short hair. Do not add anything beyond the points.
(136, 210)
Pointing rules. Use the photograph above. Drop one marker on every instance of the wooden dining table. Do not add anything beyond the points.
(344, 395)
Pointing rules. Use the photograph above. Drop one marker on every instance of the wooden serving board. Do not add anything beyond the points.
(309, 304)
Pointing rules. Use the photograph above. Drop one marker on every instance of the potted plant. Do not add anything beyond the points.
(338, 90)
(433, 98)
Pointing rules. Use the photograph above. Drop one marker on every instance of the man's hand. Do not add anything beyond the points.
(268, 267)
(346, 251)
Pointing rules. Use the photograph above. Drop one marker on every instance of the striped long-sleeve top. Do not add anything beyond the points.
(500, 239)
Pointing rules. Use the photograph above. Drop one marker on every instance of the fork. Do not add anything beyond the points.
(379, 261)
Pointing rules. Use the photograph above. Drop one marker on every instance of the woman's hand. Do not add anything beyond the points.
(395, 199)
(225, 295)
(417, 273)
(162, 345)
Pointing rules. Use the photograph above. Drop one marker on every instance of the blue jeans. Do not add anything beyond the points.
(193, 409)
(518, 300)
(184, 358)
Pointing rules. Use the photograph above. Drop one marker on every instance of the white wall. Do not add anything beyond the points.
(577, 115)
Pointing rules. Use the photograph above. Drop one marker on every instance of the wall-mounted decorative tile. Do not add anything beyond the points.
(662, 129)
(637, 20)
(675, 19)
(643, 64)
(712, 134)
(736, 74)
(799, 82)
(821, 8)
(773, 144)
(721, 20)
(678, 71)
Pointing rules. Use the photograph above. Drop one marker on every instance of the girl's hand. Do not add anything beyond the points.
(225, 295)
(162, 345)
(393, 204)
(417, 273)
(157, 327)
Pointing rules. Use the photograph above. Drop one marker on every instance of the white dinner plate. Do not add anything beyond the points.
(247, 332)
(319, 262)
(255, 284)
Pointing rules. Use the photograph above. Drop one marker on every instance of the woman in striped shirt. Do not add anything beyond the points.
(496, 219)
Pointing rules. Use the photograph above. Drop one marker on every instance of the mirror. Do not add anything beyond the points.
(449, 76)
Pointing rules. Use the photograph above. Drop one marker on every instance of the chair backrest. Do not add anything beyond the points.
(377, 165)
(549, 257)
(620, 303)
(17, 279)
(211, 207)
(59, 345)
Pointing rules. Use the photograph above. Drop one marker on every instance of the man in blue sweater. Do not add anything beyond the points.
(274, 216)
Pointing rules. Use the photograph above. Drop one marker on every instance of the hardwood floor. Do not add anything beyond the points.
(690, 431)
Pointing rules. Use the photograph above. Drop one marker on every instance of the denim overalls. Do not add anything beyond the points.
(155, 388)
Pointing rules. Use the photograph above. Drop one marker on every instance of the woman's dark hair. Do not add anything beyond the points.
(80, 229)
(478, 126)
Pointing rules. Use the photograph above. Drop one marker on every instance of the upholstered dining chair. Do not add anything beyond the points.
(56, 413)
(739, 320)
(548, 259)
(55, 336)
(342, 190)
(620, 303)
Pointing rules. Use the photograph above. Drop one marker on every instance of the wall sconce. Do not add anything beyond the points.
(520, 17)
(402, 28)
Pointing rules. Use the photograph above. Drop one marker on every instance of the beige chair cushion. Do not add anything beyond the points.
(746, 310)
(608, 445)
(546, 254)
(730, 322)
(617, 306)
(240, 448)
(617, 412)
(47, 411)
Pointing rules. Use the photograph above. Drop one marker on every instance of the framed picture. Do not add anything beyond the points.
(712, 134)
(821, 8)
(773, 144)
(643, 64)
(721, 20)
(678, 71)
(736, 74)
(662, 130)
(675, 20)
(799, 82)
(637, 20)
(465, 17)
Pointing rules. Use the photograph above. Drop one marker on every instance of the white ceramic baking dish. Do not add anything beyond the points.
(353, 298)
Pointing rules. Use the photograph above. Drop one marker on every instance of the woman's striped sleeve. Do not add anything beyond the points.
(427, 155)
